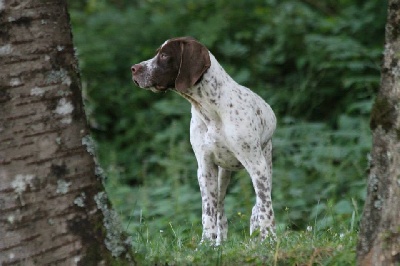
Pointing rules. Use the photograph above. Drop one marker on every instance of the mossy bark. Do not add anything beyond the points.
(379, 238)
(53, 208)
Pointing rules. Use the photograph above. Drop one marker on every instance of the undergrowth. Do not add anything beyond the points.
(328, 239)
(313, 246)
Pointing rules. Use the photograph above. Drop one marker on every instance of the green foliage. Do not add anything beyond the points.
(333, 159)
(315, 62)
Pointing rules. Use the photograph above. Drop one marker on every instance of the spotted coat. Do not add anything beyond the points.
(231, 128)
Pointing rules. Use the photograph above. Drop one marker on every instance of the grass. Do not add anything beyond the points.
(330, 246)
(163, 235)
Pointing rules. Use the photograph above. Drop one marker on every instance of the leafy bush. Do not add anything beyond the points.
(316, 63)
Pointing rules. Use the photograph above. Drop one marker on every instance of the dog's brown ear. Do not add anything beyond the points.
(195, 60)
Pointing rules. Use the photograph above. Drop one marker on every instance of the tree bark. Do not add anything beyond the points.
(53, 208)
(379, 237)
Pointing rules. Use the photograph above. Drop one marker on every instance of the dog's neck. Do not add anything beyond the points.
(205, 96)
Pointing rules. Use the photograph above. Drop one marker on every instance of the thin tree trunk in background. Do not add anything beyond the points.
(379, 238)
(53, 208)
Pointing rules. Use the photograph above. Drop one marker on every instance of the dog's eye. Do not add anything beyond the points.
(163, 56)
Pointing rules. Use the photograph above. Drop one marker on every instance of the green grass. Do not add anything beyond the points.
(179, 245)
(164, 222)
(330, 246)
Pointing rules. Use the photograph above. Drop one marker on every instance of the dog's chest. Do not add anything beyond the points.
(216, 145)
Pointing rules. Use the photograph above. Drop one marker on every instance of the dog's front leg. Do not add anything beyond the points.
(208, 182)
(224, 176)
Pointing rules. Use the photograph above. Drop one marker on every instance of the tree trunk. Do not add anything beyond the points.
(379, 238)
(53, 208)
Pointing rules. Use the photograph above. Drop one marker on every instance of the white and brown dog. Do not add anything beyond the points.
(231, 128)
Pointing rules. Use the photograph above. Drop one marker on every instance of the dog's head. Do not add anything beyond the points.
(179, 63)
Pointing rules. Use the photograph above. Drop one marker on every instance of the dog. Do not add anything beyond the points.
(231, 128)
